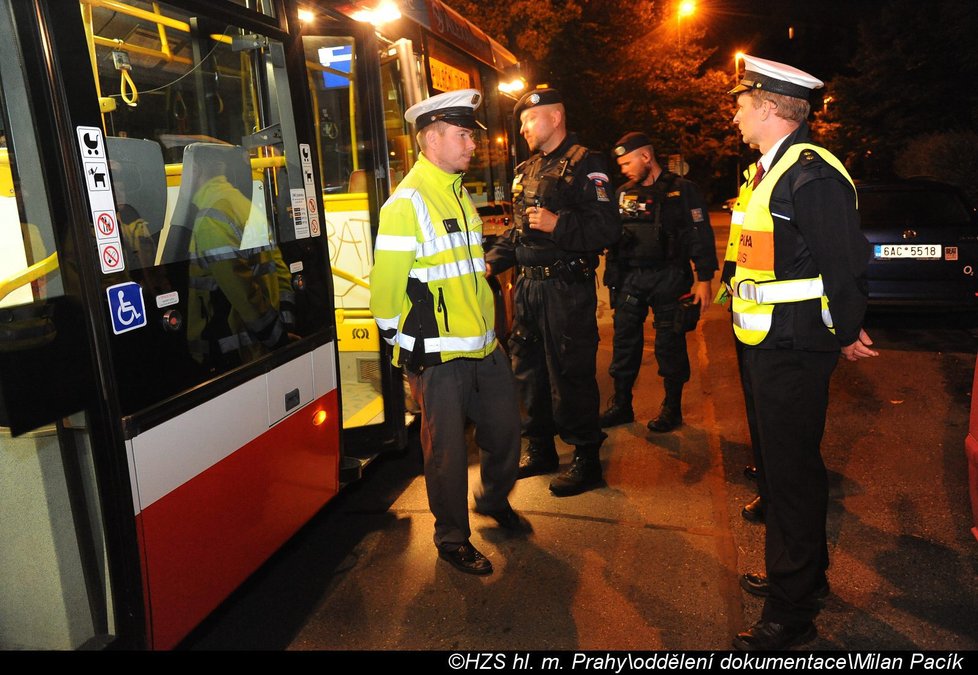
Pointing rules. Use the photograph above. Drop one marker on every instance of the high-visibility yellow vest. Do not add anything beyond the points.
(254, 282)
(428, 291)
(755, 288)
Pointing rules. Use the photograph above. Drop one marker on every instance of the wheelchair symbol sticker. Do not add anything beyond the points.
(126, 307)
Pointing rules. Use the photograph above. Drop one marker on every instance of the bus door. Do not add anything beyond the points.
(345, 95)
(59, 588)
(210, 297)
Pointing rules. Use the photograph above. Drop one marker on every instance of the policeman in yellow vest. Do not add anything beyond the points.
(433, 305)
(240, 300)
(799, 298)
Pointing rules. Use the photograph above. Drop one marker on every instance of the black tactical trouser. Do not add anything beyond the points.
(645, 287)
(554, 348)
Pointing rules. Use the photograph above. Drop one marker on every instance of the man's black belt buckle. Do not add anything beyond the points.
(569, 271)
(541, 272)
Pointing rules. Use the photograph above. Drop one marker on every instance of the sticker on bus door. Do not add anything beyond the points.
(309, 186)
(126, 307)
(95, 163)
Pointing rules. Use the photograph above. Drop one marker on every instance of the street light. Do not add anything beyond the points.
(738, 57)
(686, 8)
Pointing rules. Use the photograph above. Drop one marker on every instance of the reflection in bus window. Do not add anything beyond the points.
(28, 262)
(197, 143)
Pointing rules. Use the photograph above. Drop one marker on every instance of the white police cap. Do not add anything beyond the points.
(775, 77)
(455, 107)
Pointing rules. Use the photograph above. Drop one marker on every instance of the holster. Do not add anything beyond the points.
(687, 314)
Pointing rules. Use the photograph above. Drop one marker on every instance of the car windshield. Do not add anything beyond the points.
(921, 207)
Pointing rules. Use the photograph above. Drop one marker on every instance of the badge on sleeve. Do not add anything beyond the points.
(697, 215)
(600, 180)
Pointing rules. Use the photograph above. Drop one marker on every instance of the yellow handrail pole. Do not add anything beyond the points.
(349, 277)
(342, 314)
(90, 39)
(135, 12)
(164, 45)
(32, 273)
(353, 123)
(139, 49)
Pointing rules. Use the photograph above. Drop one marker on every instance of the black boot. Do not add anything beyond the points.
(538, 458)
(584, 473)
(620, 410)
(671, 414)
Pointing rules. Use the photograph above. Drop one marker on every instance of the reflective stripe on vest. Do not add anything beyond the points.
(756, 289)
(794, 290)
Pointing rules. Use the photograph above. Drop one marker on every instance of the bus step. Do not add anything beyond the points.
(351, 469)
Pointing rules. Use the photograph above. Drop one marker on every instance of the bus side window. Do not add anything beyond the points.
(139, 187)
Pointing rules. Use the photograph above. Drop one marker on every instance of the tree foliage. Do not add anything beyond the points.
(620, 67)
(914, 74)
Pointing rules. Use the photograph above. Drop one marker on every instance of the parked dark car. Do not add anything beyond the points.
(925, 244)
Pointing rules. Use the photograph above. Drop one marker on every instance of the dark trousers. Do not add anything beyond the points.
(484, 391)
(755, 445)
(658, 288)
(554, 347)
(789, 390)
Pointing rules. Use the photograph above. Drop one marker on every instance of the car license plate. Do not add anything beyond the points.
(914, 251)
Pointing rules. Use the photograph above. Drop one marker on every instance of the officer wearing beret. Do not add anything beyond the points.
(433, 305)
(563, 219)
(665, 225)
(798, 300)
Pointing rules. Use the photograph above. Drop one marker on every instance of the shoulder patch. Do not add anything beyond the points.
(697, 215)
(597, 176)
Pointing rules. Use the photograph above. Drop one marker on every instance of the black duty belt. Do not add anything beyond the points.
(569, 271)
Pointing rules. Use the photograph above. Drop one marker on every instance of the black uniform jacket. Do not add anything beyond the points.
(587, 217)
(816, 231)
(684, 216)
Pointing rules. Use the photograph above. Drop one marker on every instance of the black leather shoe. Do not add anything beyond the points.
(536, 460)
(754, 511)
(618, 413)
(756, 583)
(766, 636)
(751, 472)
(466, 559)
(508, 519)
(667, 420)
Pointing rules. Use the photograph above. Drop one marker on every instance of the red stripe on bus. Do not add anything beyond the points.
(203, 539)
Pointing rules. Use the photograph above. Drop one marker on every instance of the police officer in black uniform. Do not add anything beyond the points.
(665, 225)
(563, 219)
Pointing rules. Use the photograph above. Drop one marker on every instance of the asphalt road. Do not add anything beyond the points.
(651, 561)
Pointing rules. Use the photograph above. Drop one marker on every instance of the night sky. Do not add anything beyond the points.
(825, 32)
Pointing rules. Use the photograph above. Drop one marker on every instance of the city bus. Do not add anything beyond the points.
(188, 370)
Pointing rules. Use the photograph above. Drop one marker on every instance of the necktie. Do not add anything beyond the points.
(758, 175)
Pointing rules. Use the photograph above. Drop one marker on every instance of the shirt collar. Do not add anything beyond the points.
(768, 157)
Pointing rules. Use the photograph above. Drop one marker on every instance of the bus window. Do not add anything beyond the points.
(54, 587)
(400, 73)
(209, 193)
(333, 89)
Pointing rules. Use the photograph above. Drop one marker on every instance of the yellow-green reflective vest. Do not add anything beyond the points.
(428, 291)
(755, 288)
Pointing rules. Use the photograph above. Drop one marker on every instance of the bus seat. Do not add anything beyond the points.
(201, 162)
(358, 181)
(139, 179)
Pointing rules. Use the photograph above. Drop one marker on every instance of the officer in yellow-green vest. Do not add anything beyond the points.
(798, 301)
(241, 300)
(433, 305)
